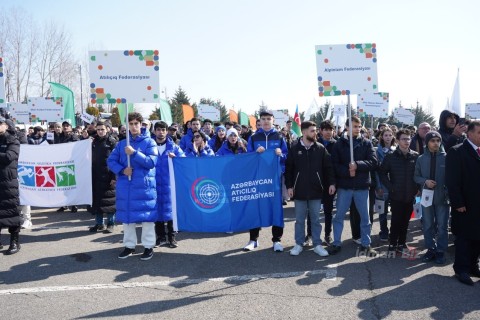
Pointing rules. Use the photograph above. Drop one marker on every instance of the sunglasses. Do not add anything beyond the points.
(197, 136)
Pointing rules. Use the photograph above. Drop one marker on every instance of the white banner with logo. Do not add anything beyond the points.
(55, 175)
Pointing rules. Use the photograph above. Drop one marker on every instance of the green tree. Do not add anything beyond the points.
(179, 98)
(261, 107)
(155, 115)
(115, 119)
(323, 114)
(423, 115)
(92, 110)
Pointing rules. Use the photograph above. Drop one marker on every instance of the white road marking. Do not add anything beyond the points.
(330, 274)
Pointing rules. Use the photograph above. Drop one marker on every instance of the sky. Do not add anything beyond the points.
(253, 51)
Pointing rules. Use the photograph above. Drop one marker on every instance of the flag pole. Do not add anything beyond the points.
(350, 131)
(127, 137)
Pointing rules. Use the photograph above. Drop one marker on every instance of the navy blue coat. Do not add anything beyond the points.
(137, 198)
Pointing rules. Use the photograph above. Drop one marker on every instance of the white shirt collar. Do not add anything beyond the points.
(473, 145)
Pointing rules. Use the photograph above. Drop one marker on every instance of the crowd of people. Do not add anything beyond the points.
(390, 166)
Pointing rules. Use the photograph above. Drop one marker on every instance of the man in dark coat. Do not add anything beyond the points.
(451, 130)
(103, 180)
(9, 194)
(462, 180)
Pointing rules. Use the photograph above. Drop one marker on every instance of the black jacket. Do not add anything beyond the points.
(462, 179)
(396, 174)
(309, 171)
(363, 155)
(9, 194)
(448, 138)
(103, 192)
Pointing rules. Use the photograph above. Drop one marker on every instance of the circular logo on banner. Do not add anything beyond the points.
(207, 195)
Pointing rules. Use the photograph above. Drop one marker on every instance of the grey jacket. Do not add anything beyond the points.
(422, 174)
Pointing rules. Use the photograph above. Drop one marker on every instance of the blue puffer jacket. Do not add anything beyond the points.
(205, 152)
(225, 150)
(137, 198)
(163, 180)
(186, 140)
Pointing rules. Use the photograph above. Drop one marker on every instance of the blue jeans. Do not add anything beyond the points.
(344, 199)
(110, 218)
(312, 207)
(435, 221)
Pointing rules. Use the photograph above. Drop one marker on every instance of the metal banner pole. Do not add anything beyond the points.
(128, 137)
(350, 133)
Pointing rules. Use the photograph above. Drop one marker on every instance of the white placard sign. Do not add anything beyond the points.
(124, 76)
(46, 109)
(281, 117)
(20, 112)
(346, 69)
(374, 104)
(88, 118)
(472, 110)
(339, 110)
(206, 111)
(2, 85)
(404, 116)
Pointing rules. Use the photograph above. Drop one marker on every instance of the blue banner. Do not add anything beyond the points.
(226, 194)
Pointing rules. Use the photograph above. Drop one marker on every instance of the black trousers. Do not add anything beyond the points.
(277, 233)
(355, 216)
(467, 253)
(401, 213)
(160, 230)
(327, 201)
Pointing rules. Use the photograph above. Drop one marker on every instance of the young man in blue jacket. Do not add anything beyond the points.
(136, 188)
(267, 138)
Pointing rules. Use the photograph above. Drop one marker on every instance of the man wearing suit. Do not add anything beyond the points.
(462, 180)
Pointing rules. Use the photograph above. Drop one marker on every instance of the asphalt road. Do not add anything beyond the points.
(65, 272)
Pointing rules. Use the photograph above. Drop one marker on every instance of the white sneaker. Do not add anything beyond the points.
(320, 251)
(27, 224)
(357, 241)
(296, 250)
(277, 246)
(251, 245)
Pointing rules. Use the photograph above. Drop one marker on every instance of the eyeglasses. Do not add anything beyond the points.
(197, 136)
(405, 139)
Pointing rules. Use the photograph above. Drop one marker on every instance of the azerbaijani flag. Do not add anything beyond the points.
(296, 123)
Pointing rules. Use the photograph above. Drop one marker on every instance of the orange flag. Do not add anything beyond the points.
(233, 116)
(187, 112)
(253, 122)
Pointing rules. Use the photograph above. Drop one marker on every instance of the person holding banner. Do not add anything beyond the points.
(430, 175)
(199, 146)
(166, 149)
(308, 172)
(136, 196)
(267, 138)
(396, 174)
(103, 180)
(353, 183)
(233, 145)
(9, 193)
(216, 142)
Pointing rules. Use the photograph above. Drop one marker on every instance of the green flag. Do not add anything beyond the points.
(68, 101)
(165, 112)
(243, 118)
(121, 111)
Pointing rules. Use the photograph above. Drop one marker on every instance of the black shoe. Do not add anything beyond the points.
(328, 240)
(173, 243)
(464, 278)
(147, 254)
(160, 242)
(74, 209)
(127, 252)
(1, 246)
(402, 248)
(475, 273)
(392, 248)
(440, 258)
(14, 248)
(97, 227)
(61, 209)
(429, 256)
(369, 252)
(333, 250)
(110, 228)
(308, 241)
(284, 202)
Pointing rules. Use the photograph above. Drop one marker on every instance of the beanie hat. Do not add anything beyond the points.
(220, 127)
(432, 134)
(232, 131)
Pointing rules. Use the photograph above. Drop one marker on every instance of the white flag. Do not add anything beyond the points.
(312, 109)
(455, 104)
(55, 175)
